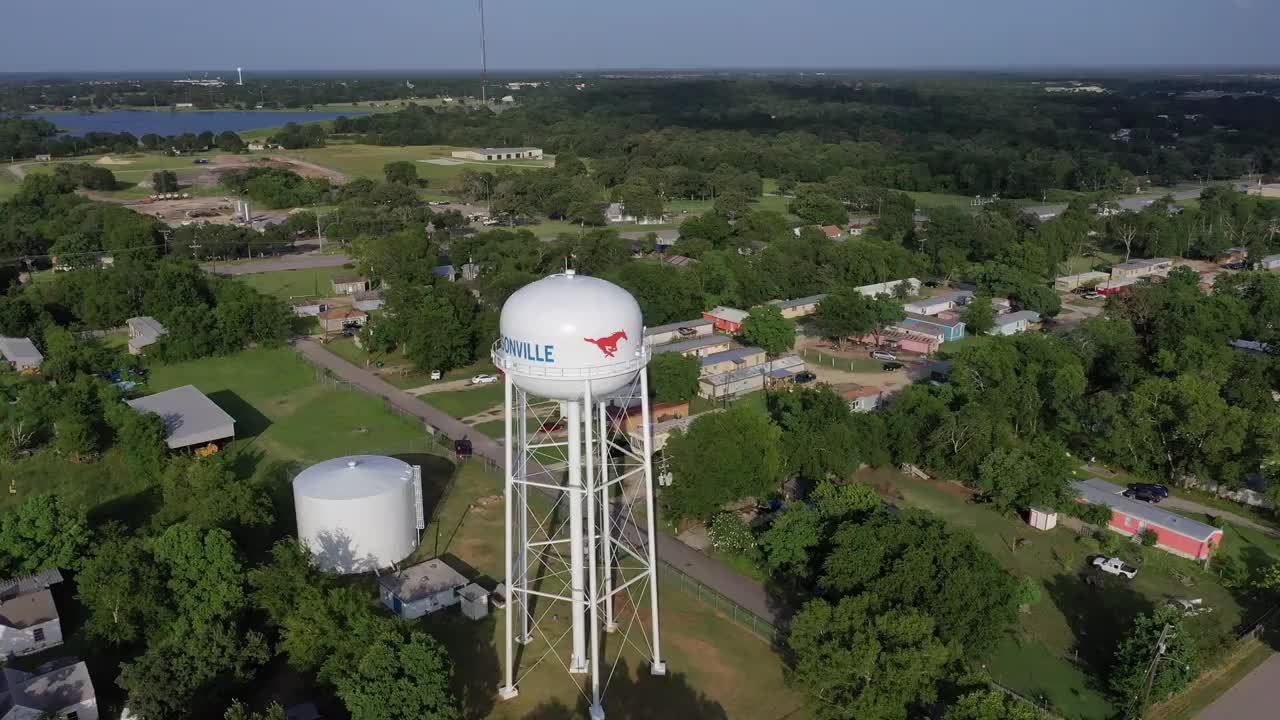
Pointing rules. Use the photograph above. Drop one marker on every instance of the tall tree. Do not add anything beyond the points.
(722, 457)
(401, 172)
(765, 328)
(978, 315)
(1157, 658)
(674, 377)
(42, 533)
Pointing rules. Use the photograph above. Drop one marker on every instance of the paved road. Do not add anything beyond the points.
(716, 575)
(1177, 503)
(288, 262)
(1132, 202)
(1253, 698)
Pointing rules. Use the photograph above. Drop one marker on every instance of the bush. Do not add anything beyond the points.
(1089, 513)
(1217, 521)
(1028, 591)
(1110, 543)
(1148, 537)
(730, 533)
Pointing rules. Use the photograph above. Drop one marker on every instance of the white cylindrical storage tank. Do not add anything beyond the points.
(565, 329)
(357, 513)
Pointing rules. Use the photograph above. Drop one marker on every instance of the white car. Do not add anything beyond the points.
(483, 379)
(882, 355)
(436, 375)
(1093, 296)
(1115, 566)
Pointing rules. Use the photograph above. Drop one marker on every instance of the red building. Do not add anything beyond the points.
(1175, 534)
(727, 319)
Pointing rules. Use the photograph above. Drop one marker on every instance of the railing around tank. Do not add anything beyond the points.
(506, 363)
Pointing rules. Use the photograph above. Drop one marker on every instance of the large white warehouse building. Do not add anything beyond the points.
(359, 513)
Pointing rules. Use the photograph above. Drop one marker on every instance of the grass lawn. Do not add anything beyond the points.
(1084, 263)
(305, 283)
(755, 399)
(8, 184)
(938, 200)
(1067, 639)
(360, 160)
(397, 370)
(852, 364)
(464, 403)
(715, 668)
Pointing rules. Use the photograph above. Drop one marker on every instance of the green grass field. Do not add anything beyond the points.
(360, 160)
(851, 364)
(464, 403)
(290, 284)
(8, 183)
(1066, 640)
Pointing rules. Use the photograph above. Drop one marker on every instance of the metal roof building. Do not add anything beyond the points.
(21, 353)
(699, 346)
(1175, 533)
(143, 331)
(190, 418)
(421, 589)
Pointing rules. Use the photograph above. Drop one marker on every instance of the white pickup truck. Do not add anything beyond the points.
(1115, 566)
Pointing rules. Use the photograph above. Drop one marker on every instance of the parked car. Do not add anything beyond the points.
(200, 161)
(483, 379)
(1115, 566)
(686, 332)
(805, 376)
(893, 366)
(1189, 608)
(1156, 488)
(882, 355)
(1093, 296)
(1143, 494)
(436, 374)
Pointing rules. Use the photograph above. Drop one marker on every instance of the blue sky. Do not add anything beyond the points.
(591, 34)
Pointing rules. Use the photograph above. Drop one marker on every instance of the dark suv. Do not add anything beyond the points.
(1153, 488)
(1144, 494)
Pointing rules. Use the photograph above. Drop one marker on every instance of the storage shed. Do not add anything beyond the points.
(190, 417)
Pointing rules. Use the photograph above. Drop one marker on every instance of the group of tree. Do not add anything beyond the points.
(276, 187)
(26, 138)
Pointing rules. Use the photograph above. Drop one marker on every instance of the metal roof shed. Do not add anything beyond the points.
(190, 418)
(21, 353)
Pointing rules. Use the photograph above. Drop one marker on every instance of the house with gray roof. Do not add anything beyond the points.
(190, 417)
(20, 353)
(144, 331)
(1015, 322)
(29, 620)
(1176, 534)
(701, 346)
(65, 691)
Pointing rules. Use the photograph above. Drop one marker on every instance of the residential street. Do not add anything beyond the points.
(742, 590)
(1253, 698)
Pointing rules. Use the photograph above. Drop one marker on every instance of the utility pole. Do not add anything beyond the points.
(319, 234)
(1162, 645)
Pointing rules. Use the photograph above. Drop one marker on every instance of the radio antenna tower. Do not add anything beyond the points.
(240, 76)
(484, 59)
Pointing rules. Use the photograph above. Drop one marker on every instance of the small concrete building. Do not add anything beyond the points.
(799, 307)
(336, 319)
(498, 153)
(726, 319)
(475, 601)
(672, 332)
(29, 620)
(730, 360)
(368, 301)
(190, 417)
(65, 691)
(143, 331)
(696, 347)
(349, 284)
(422, 589)
(21, 354)
(1015, 322)
(1270, 262)
(1067, 283)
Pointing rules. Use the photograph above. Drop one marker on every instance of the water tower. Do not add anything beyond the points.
(579, 486)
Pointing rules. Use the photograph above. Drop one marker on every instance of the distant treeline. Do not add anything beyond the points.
(961, 137)
(26, 138)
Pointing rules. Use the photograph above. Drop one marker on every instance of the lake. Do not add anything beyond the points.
(141, 122)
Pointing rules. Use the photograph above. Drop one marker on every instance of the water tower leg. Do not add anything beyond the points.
(606, 522)
(577, 551)
(593, 538)
(522, 501)
(658, 666)
(508, 689)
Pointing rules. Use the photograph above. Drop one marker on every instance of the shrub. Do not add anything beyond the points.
(1089, 513)
(730, 533)
(1148, 537)
(1028, 591)
(1217, 521)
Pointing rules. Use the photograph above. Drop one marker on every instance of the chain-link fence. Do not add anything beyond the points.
(765, 629)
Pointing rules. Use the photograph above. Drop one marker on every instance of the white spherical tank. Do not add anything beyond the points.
(565, 329)
(357, 513)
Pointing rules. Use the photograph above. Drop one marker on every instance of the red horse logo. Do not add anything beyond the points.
(609, 344)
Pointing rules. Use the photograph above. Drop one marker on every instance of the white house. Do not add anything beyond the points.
(939, 303)
(1015, 322)
(29, 619)
(421, 589)
(501, 153)
(64, 692)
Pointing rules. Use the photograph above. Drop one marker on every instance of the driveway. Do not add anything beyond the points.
(1253, 698)
(1191, 506)
(276, 264)
(746, 592)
